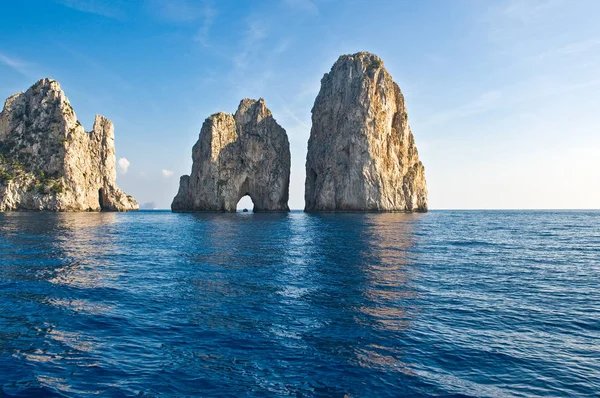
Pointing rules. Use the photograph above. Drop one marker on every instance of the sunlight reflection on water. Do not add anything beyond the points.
(472, 303)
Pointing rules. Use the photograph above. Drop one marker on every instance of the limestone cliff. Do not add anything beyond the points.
(49, 162)
(236, 155)
(361, 152)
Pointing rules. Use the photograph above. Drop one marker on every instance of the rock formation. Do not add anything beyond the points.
(237, 155)
(49, 162)
(361, 152)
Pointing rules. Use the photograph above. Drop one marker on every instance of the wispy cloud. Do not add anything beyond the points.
(485, 103)
(14, 63)
(577, 47)
(518, 23)
(526, 91)
(255, 56)
(307, 6)
(283, 45)
(186, 12)
(97, 67)
(528, 10)
(94, 7)
(20, 66)
(251, 42)
(179, 10)
(209, 15)
(166, 173)
(290, 115)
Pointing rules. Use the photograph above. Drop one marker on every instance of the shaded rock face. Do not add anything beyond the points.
(237, 155)
(361, 152)
(49, 162)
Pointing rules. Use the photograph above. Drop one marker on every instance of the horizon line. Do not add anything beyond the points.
(439, 209)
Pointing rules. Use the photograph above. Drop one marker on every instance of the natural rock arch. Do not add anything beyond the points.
(237, 155)
(245, 191)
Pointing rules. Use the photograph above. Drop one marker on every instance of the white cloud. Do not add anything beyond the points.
(167, 173)
(123, 164)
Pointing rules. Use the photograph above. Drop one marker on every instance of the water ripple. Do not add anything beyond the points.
(445, 303)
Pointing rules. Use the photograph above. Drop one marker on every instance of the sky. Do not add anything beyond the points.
(503, 97)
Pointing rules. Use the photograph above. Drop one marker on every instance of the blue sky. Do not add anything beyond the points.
(503, 96)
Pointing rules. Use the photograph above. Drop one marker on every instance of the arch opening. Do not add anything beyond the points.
(245, 203)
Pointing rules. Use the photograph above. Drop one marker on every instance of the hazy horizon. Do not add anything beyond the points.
(502, 96)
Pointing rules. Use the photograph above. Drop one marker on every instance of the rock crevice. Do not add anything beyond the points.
(49, 162)
(361, 151)
(237, 155)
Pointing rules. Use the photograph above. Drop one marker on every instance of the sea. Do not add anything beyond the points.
(447, 303)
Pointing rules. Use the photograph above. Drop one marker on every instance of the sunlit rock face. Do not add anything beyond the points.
(49, 162)
(237, 155)
(361, 152)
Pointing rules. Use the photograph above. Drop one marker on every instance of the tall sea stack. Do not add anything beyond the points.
(49, 162)
(361, 152)
(237, 155)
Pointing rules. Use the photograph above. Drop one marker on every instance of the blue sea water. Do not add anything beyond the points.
(448, 303)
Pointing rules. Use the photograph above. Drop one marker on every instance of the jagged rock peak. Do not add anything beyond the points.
(49, 162)
(365, 57)
(247, 153)
(361, 151)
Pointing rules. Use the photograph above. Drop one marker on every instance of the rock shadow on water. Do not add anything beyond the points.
(315, 290)
(350, 291)
(367, 255)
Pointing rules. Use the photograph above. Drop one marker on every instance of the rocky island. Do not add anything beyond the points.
(361, 152)
(237, 155)
(49, 162)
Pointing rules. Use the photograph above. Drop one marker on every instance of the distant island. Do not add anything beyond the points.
(361, 153)
(148, 206)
